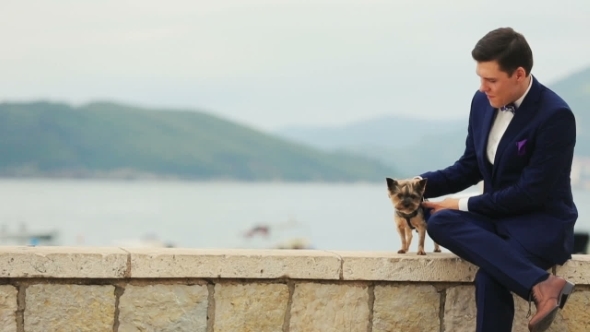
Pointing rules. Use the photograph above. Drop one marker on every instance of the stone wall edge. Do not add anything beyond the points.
(154, 263)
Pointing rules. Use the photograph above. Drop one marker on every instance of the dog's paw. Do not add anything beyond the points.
(437, 250)
(421, 252)
(401, 251)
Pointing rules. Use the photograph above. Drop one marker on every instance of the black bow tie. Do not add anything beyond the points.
(508, 108)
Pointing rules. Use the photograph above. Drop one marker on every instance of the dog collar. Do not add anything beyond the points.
(406, 215)
(409, 216)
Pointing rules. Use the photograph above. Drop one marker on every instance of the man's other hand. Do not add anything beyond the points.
(447, 203)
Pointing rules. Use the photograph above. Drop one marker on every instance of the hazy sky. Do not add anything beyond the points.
(279, 62)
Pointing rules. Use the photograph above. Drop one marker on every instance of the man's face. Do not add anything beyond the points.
(500, 88)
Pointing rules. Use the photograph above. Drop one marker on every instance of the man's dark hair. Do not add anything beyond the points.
(507, 47)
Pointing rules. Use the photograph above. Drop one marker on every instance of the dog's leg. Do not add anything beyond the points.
(409, 237)
(422, 234)
(402, 235)
(436, 247)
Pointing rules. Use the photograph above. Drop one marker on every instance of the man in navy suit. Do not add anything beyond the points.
(520, 142)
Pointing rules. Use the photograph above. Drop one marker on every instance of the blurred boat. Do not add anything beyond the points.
(24, 237)
(291, 234)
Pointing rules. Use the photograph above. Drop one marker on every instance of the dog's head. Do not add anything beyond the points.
(406, 195)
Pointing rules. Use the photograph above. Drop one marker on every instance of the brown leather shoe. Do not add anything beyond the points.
(549, 296)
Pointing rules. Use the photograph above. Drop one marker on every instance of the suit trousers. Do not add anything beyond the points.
(505, 266)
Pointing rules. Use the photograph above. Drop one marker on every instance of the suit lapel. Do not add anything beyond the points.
(522, 116)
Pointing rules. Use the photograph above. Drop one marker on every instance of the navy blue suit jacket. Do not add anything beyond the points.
(527, 191)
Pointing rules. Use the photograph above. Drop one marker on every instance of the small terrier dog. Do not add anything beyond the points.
(406, 197)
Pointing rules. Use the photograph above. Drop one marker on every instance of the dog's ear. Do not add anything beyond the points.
(391, 183)
(421, 185)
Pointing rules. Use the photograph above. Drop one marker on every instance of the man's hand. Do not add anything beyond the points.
(447, 203)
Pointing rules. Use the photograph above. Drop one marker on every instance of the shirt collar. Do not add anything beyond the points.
(519, 100)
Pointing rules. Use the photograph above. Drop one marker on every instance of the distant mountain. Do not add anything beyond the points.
(436, 144)
(113, 140)
(386, 131)
(408, 144)
(427, 152)
(575, 90)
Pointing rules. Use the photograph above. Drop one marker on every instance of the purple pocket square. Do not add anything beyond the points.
(521, 145)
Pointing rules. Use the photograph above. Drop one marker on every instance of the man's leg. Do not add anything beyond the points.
(504, 265)
(495, 305)
(462, 233)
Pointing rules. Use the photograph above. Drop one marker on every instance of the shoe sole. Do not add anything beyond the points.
(544, 324)
(565, 293)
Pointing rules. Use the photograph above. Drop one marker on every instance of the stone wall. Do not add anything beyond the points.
(165, 290)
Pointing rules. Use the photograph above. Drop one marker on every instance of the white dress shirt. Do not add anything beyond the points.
(501, 122)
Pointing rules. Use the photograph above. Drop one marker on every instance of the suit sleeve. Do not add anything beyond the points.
(463, 174)
(552, 156)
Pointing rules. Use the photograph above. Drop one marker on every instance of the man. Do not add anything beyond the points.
(520, 142)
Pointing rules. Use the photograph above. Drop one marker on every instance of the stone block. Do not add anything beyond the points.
(575, 316)
(408, 308)
(387, 266)
(62, 262)
(329, 308)
(66, 308)
(8, 307)
(163, 308)
(460, 313)
(250, 307)
(231, 263)
(576, 270)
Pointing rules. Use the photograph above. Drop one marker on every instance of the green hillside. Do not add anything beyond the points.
(112, 140)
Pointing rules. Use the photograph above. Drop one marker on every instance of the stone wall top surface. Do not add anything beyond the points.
(62, 262)
(233, 263)
(116, 263)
